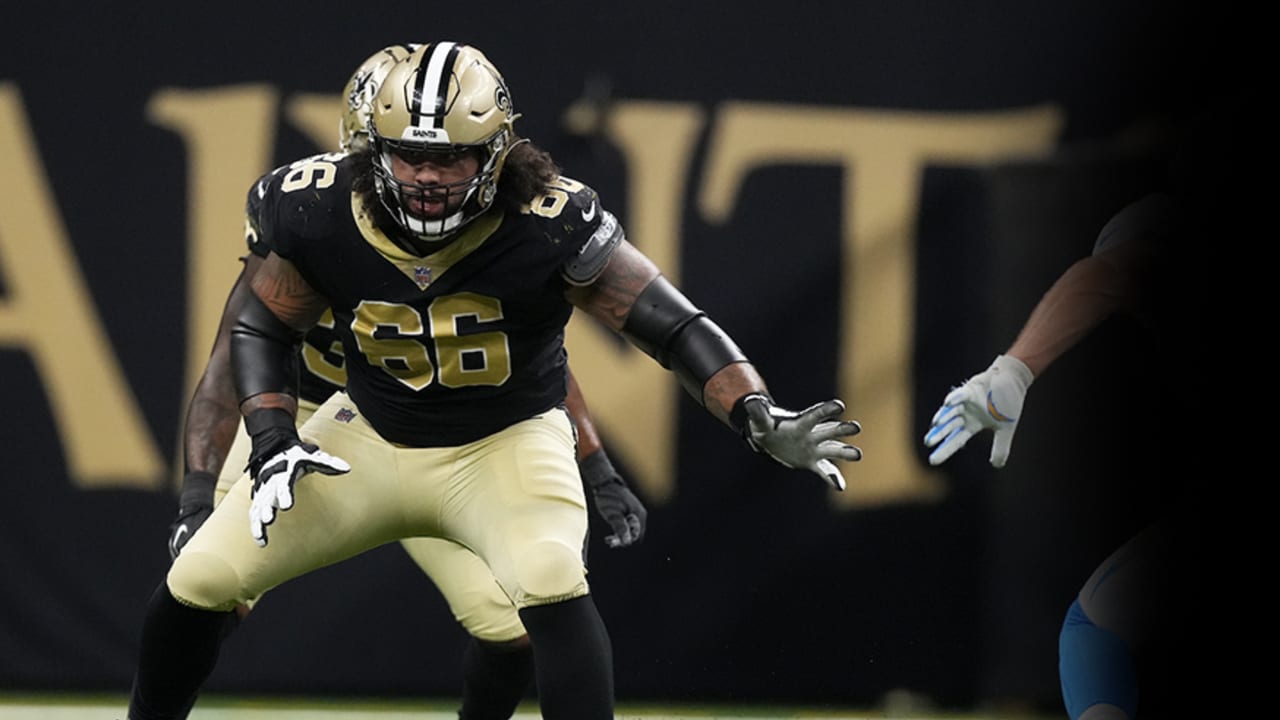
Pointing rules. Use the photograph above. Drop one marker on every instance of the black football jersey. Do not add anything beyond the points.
(444, 349)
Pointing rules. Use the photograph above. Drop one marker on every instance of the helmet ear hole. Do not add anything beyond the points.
(444, 97)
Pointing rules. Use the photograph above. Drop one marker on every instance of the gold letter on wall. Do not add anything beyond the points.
(48, 313)
(886, 154)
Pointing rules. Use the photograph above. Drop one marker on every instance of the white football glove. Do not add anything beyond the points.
(990, 400)
(804, 440)
(273, 484)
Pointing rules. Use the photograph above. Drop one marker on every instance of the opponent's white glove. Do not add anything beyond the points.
(273, 485)
(990, 400)
(804, 440)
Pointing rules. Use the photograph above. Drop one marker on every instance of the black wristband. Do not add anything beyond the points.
(597, 470)
(197, 489)
(738, 419)
(271, 430)
(267, 418)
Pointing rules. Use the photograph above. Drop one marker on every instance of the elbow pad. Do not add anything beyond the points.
(669, 329)
(264, 352)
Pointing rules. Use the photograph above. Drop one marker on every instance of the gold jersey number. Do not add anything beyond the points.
(394, 337)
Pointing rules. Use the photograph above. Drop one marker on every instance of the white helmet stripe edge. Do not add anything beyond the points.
(433, 85)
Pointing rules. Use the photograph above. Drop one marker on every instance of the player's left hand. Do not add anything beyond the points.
(273, 483)
(614, 501)
(807, 440)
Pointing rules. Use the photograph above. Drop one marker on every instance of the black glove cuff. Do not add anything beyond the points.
(197, 489)
(272, 430)
(267, 418)
(738, 418)
(597, 471)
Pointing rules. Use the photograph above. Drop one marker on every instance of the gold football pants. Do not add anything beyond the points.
(497, 524)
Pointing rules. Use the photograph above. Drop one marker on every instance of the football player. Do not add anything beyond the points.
(451, 255)
(497, 663)
(1144, 594)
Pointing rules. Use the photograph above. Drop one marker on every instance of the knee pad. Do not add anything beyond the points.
(204, 581)
(1094, 666)
(488, 615)
(549, 572)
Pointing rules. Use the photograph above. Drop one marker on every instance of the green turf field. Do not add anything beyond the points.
(67, 707)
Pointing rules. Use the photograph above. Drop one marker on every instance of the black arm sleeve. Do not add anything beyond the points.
(668, 328)
(264, 352)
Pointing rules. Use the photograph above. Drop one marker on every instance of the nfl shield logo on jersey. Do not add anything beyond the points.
(422, 276)
(345, 415)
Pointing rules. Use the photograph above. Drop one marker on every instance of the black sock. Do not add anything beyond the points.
(179, 648)
(573, 659)
(494, 679)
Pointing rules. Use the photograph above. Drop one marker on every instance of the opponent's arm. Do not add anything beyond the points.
(265, 341)
(631, 297)
(1089, 292)
(614, 501)
(211, 421)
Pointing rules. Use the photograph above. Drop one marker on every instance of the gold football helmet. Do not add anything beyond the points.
(361, 89)
(446, 98)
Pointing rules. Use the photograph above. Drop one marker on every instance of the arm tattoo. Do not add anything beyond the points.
(725, 387)
(283, 289)
(611, 296)
(210, 431)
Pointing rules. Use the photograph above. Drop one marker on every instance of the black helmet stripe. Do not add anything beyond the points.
(434, 71)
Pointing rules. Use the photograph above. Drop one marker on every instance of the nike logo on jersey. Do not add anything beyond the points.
(176, 542)
(590, 213)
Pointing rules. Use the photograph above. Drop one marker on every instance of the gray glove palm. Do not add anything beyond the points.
(808, 440)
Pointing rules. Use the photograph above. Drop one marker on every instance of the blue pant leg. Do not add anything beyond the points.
(1094, 666)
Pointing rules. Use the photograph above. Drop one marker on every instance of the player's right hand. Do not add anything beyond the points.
(276, 461)
(195, 505)
(273, 482)
(990, 400)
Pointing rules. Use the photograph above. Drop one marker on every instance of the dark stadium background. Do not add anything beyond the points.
(752, 586)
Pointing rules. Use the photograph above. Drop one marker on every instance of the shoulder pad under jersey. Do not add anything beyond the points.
(252, 208)
(571, 213)
(1147, 219)
(300, 200)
